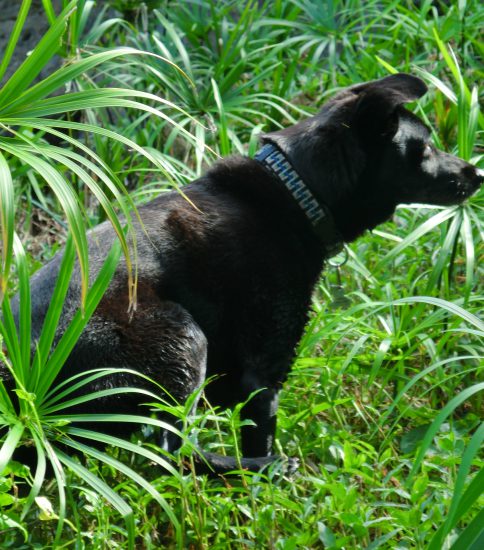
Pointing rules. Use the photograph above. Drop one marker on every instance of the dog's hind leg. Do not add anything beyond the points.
(161, 342)
(164, 343)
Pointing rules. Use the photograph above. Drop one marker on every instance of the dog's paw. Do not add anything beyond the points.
(292, 465)
(283, 466)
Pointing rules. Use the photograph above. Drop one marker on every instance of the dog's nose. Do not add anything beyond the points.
(473, 176)
(478, 178)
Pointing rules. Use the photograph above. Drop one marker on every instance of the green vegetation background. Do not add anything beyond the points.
(384, 404)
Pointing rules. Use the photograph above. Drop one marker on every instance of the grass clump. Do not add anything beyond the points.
(383, 407)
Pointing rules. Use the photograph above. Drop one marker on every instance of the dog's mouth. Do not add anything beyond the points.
(458, 190)
(454, 194)
(472, 185)
(467, 189)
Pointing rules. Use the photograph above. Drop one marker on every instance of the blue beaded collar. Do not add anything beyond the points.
(318, 214)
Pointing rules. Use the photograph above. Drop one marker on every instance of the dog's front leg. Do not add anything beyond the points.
(261, 409)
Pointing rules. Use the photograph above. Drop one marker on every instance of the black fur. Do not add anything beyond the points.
(224, 289)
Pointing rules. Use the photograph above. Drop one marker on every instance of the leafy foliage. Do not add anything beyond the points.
(384, 405)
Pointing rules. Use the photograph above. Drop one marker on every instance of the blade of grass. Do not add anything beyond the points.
(69, 202)
(472, 450)
(445, 252)
(129, 418)
(85, 378)
(24, 321)
(389, 412)
(444, 304)
(93, 396)
(467, 239)
(104, 490)
(421, 230)
(14, 103)
(452, 64)
(437, 422)
(225, 148)
(9, 333)
(130, 473)
(39, 57)
(52, 316)
(123, 444)
(7, 224)
(39, 475)
(10, 444)
(79, 321)
(472, 538)
(14, 35)
(49, 11)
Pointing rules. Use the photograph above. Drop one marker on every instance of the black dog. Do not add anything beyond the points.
(224, 288)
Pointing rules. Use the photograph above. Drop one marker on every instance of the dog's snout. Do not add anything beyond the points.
(474, 176)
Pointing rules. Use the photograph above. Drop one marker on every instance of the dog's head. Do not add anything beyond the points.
(364, 151)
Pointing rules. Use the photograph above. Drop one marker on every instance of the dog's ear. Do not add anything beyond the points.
(377, 102)
(401, 87)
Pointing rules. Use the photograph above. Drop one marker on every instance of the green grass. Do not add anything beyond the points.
(384, 404)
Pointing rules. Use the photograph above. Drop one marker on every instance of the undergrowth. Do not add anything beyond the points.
(383, 407)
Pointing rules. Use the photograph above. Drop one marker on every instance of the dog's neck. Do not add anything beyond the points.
(317, 213)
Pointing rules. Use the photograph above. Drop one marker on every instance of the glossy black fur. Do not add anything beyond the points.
(225, 289)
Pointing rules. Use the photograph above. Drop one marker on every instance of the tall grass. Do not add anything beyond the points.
(383, 407)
